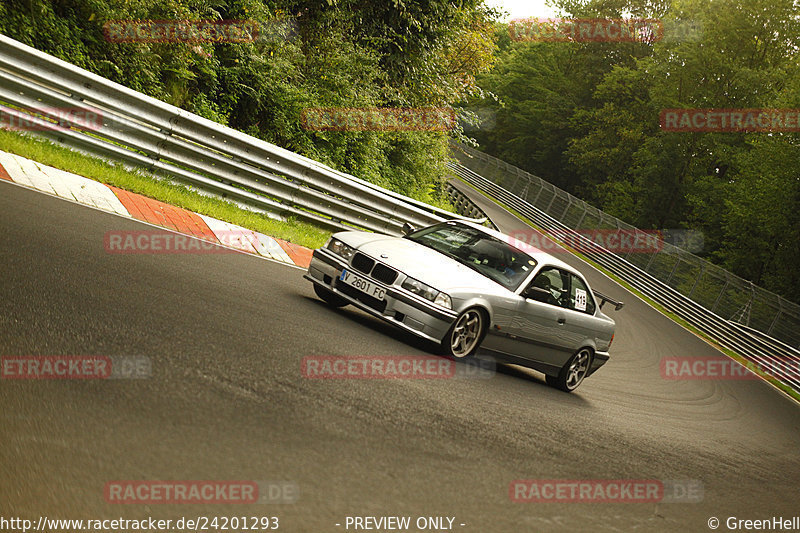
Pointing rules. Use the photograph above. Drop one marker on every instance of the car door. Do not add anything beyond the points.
(538, 330)
(581, 324)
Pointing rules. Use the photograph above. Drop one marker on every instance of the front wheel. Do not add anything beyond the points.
(465, 334)
(573, 373)
(329, 297)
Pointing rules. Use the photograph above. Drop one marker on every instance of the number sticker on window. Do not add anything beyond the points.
(580, 299)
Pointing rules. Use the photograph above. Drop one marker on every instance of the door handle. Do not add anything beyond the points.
(562, 320)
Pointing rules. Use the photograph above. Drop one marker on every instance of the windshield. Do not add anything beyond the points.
(487, 255)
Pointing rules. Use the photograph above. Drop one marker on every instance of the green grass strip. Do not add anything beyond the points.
(45, 152)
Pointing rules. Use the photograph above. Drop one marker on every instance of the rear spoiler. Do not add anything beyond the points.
(603, 299)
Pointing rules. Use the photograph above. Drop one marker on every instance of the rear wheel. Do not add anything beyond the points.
(329, 297)
(465, 334)
(573, 372)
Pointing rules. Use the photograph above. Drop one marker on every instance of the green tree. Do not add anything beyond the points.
(345, 53)
(585, 116)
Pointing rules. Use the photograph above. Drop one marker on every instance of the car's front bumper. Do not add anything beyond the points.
(399, 307)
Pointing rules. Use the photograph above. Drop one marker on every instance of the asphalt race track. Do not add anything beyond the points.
(226, 334)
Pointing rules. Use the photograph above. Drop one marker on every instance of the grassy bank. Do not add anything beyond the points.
(47, 153)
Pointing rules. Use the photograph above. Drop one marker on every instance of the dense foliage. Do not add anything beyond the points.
(585, 116)
(309, 53)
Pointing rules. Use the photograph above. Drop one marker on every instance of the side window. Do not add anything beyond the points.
(549, 286)
(580, 299)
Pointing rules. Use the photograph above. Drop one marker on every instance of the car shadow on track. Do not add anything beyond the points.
(365, 319)
(483, 362)
(537, 378)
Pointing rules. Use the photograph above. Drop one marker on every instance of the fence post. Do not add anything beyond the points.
(775, 320)
(564, 213)
(719, 296)
(697, 279)
(674, 268)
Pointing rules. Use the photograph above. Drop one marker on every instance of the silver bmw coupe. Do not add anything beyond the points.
(468, 288)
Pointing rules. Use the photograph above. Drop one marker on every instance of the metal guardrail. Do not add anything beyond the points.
(466, 207)
(143, 132)
(765, 352)
(710, 285)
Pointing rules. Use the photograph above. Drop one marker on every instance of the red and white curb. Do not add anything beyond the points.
(108, 198)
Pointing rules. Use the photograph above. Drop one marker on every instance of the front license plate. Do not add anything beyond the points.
(362, 284)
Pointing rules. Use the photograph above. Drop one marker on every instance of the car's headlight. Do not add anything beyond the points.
(339, 248)
(427, 292)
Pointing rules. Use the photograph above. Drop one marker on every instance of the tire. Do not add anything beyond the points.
(466, 333)
(329, 297)
(573, 372)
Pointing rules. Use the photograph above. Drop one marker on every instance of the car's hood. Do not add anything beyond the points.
(421, 262)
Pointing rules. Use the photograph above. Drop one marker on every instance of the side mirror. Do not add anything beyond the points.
(537, 293)
(408, 228)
